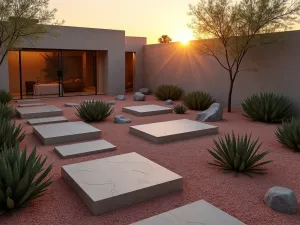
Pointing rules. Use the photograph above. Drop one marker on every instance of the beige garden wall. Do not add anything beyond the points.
(277, 65)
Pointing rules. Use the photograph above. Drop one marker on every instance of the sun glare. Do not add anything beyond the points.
(185, 37)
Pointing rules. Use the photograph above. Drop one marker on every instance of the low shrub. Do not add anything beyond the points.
(289, 134)
(94, 111)
(6, 112)
(10, 133)
(198, 100)
(22, 178)
(238, 155)
(268, 108)
(5, 97)
(180, 109)
(166, 92)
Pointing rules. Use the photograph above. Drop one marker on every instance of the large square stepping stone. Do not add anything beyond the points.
(32, 104)
(56, 119)
(86, 148)
(147, 110)
(110, 183)
(197, 213)
(70, 104)
(173, 130)
(29, 100)
(59, 133)
(39, 112)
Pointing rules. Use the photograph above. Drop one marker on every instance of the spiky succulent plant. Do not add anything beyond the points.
(238, 155)
(198, 100)
(22, 178)
(94, 111)
(10, 133)
(289, 134)
(6, 112)
(5, 97)
(166, 92)
(268, 108)
(180, 109)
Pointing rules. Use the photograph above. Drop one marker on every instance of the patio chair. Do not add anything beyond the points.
(29, 87)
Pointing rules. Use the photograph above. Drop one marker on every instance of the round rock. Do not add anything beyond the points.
(145, 91)
(169, 102)
(120, 97)
(138, 96)
(281, 199)
(121, 119)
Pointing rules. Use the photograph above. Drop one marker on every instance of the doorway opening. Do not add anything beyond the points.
(129, 71)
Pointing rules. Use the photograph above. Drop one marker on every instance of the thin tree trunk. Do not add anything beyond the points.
(230, 95)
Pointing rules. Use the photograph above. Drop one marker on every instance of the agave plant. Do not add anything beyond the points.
(238, 155)
(22, 178)
(94, 111)
(198, 100)
(5, 97)
(6, 112)
(268, 108)
(10, 133)
(289, 134)
(166, 92)
(180, 109)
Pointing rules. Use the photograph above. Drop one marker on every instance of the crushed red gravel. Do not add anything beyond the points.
(241, 196)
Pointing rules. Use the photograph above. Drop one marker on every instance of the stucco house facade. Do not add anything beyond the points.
(75, 62)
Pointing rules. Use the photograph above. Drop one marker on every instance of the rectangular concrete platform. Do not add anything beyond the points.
(197, 213)
(60, 133)
(28, 100)
(32, 104)
(110, 183)
(56, 119)
(86, 148)
(173, 130)
(147, 110)
(39, 112)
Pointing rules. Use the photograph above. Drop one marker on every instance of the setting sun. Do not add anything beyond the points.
(184, 37)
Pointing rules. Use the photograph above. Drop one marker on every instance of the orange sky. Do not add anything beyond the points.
(143, 18)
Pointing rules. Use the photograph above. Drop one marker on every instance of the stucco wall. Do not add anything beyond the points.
(136, 44)
(73, 38)
(277, 64)
(4, 84)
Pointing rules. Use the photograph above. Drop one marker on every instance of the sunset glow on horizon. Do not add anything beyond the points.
(140, 18)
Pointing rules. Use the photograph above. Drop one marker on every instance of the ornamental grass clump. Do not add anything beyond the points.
(268, 108)
(22, 178)
(10, 133)
(166, 92)
(289, 134)
(6, 112)
(5, 97)
(94, 111)
(198, 100)
(180, 109)
(238, 155)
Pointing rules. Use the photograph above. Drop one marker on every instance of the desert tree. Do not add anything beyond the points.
(24, 20)
(236, 27)
(164, 39)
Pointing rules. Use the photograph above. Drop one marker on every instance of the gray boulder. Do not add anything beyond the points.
(145, 91)
(120, 97)
(281, 199)
(121, 119)
(169, 102)
(138, 96)
(71, 104)
(212, 114)
(111, 102)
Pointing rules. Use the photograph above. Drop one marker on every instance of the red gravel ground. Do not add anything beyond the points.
(241, 197)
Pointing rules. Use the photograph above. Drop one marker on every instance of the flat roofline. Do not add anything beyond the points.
(94, 28)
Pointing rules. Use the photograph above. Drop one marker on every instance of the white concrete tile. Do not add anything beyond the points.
(60, 133)
(172, 130)
(46, 120)
(147, 110)
(86, 148)
(110, 183)
(198, 213)
(31, 104)
(39, 112)
(28, 100)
